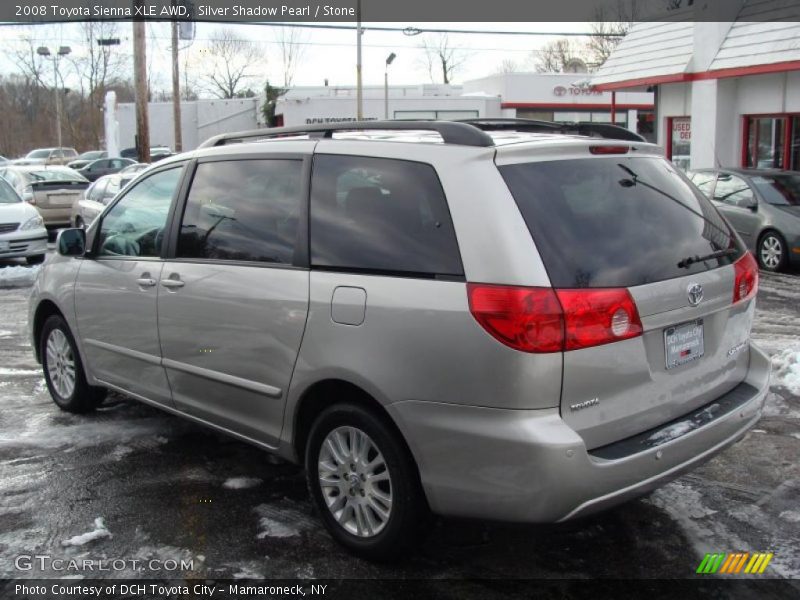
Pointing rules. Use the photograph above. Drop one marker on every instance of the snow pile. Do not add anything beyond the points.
(11, 277)
(99, 531)
(280, 520)
(786, 369)
(241, 483)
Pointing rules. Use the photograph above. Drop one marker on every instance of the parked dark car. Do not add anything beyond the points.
(105, 166)
(156, 153)
(763, 205)
(87, 157)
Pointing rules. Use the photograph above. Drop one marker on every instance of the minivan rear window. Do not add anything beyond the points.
(617, 221)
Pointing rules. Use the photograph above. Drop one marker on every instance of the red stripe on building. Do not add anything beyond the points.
(779, 67)
(576, 106)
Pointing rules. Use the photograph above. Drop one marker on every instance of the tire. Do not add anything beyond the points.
(60, 358)
(771, 252)
(389, 530)
(36, 259)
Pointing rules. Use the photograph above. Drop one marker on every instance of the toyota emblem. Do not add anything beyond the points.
(695, 293)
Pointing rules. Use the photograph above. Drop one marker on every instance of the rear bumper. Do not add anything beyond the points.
(529, 466)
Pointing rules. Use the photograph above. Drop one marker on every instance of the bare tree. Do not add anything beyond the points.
(441, 57)
(230, 64)
(291, 43)
(558, 56)
(95, 67)
(609, 27)
(28, 62)
(508, 65)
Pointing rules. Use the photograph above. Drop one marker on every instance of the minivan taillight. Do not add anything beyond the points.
(524, 318)
(598, 316)
(745, 283)
(541, 320)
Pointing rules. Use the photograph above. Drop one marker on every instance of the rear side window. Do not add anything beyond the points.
(243, 210)
(381, 215)
(602, 223)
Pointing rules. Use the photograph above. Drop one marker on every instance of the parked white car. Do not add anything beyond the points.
(22, 232)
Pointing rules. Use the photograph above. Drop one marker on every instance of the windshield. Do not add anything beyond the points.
(38, 154)
(781, 190)
(92, 155)
(618, 221)
(52, 175)
(7, 193)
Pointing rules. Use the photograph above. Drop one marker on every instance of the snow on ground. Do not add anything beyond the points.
(97, 533)
(282, 519)
(241, 483)
(18, 276)
(786, 369)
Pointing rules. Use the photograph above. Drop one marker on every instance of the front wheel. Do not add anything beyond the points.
(772, 252)
(63, 370)
(365, 484)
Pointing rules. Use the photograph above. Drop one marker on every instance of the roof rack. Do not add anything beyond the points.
(603, 130)
(452, 132)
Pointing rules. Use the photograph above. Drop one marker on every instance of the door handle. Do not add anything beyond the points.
(146, 281)
(172, 282)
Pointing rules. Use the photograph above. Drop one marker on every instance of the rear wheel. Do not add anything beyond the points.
(63, 370)
(364, 483)
(771, 251)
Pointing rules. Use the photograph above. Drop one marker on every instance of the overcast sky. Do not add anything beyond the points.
(327, 54)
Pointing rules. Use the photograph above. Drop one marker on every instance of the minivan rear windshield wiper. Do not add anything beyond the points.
(636, 180)
(690, 260)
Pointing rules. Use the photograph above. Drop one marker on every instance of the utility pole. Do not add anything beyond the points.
(359, 90)
(176, 90)
(140, 83)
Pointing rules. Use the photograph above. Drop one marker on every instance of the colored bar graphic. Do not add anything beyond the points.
(733, 563)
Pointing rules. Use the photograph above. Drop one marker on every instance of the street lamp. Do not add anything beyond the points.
(389, 60)
(62, 51)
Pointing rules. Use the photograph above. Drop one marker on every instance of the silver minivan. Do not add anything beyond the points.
(431, 318)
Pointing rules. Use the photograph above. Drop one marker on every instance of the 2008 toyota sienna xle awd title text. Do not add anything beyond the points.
(432, 318)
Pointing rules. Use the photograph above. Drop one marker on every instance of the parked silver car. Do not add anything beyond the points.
(514, 326)
(22, 232)
(94, 199)
(51, 189)
(763, 206)
(48, 156)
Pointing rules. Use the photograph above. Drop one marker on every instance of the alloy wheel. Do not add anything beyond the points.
(355, 481)
(60, 363)
(771, 252)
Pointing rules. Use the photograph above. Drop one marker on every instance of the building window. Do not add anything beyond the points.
(679, 141)
(772, 141)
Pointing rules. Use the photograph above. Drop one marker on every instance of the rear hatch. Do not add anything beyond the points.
(57, 194)
(631, 247)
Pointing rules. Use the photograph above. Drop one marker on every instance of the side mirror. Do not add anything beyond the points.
(752, 204)
(71, 242)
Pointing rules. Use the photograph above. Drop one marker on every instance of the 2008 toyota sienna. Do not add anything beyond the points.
(431, 317)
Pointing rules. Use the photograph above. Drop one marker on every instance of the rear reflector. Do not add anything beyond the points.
(596, 317)
(526, 319)
(745, 284)
(609, 149)
(541, 320)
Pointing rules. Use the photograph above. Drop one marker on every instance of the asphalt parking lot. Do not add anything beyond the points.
(132, 483)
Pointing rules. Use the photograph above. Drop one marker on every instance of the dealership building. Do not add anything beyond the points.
(727, 93)
(560, 97)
